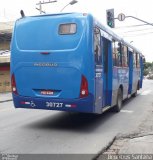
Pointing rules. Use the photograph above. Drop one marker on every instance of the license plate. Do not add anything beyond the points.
(47, 92)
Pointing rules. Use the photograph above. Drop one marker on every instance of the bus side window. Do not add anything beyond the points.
(97, 46)
(114, 53)
(124, 56)
(134, 59)
(117, 56)
(137, 60)
(127, 57)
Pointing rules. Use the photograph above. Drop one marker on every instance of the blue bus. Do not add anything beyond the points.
(71, 62)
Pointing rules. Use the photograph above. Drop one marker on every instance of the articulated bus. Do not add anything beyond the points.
(71, 62)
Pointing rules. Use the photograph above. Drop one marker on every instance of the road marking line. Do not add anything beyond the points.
(126, 111)
(145, 93)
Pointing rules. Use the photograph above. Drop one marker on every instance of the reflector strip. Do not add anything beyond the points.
(22, 102)
(44, 52)
(70, 105)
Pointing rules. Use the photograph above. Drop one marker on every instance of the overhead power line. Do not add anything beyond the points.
(131, 26)
(138, 30)
(135, 35)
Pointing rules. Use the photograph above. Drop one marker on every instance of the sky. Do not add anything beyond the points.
(141, 37)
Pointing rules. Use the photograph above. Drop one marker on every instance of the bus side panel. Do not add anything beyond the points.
(120, 78)
(136, 78)
(107, 73)
(98, 89)
(130, 72)
(88, 67)
(110, 73)
(141, 72)
(115, 85)
(89, 56)
(125, 81)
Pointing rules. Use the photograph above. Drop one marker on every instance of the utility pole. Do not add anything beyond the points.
(44, 2)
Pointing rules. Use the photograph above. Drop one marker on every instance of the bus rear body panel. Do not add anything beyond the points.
(49, 62)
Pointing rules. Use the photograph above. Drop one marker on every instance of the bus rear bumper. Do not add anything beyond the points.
(72, 105)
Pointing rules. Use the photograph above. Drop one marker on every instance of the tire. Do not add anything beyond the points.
(119, 101)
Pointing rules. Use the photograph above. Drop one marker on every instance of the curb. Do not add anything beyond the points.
(97, 157)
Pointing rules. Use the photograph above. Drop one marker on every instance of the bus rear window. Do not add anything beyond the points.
(69, 28)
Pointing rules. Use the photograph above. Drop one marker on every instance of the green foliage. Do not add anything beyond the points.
(148, 68)
(148, 65)
(145, 72)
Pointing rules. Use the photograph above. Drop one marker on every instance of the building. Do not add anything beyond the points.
(5, 39)
(5, 35)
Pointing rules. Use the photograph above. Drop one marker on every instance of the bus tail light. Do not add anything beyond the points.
(84, 87)
(13, 83)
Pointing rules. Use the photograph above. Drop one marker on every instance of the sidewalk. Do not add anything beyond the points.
(139, 142)
(5, 97)
(142, 142)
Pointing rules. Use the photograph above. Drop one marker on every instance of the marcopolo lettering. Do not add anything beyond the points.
(45, 64)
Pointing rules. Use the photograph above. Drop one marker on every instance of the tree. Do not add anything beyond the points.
(148, 68)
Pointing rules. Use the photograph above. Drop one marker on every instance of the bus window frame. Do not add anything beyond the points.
(134, 59)
(118, 54)
(99, 46)
(67, 33)
(125, 54)
(137, 60)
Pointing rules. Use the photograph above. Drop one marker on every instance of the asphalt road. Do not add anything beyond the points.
(40, 131)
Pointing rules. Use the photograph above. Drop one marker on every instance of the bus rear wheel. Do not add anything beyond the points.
(119, 101)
